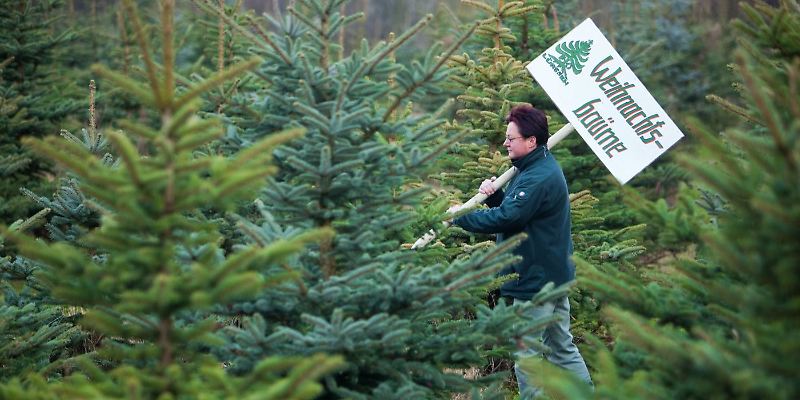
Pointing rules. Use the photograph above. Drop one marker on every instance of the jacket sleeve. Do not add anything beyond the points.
(513, 213)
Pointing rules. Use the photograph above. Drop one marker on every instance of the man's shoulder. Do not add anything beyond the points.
(546, 171)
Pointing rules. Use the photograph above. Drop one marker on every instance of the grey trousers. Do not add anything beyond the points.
(558, 339)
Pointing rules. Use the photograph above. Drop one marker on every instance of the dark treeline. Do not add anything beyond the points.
(385, 16)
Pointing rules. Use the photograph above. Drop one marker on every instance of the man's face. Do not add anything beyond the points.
(517, 145)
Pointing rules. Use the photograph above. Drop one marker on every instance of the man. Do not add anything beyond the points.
(536, 202)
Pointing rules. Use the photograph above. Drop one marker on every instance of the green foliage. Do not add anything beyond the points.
(38, 332)
(136, 287)
(32, 97)
(208, 44)
(397, 316)
(495, 81)
(720, 326)
(71, 213)
(155, 274)
(670, 228)
(33, 334)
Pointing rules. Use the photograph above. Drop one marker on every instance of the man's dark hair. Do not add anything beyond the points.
(530, 121)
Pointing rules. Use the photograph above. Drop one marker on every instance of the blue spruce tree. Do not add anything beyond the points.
(396, 317)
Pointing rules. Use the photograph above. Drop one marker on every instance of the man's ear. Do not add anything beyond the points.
(534, 142)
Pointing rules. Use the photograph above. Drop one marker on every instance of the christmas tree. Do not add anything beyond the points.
(34, 97)
(156, 268)
(34, 333)
(489, 82)
(396, 317)
(707, 326)
(39, 331)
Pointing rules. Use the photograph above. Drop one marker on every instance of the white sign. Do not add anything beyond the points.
(605, 102)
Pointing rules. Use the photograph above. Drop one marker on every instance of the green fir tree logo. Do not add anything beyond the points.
(571, 56)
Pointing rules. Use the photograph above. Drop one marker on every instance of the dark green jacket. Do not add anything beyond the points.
(536, 201)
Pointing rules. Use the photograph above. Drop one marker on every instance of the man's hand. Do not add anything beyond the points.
(487, 186)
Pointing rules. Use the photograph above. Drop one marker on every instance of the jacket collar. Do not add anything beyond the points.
(529, 159)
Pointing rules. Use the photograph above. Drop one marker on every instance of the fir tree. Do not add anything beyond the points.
(211, 45)
(71, 212)
(721, 325)
(38, 329)
(489, 86)
(138, 289)
(397, 320)
(11, 114)
(33, 333)
(33, 95)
